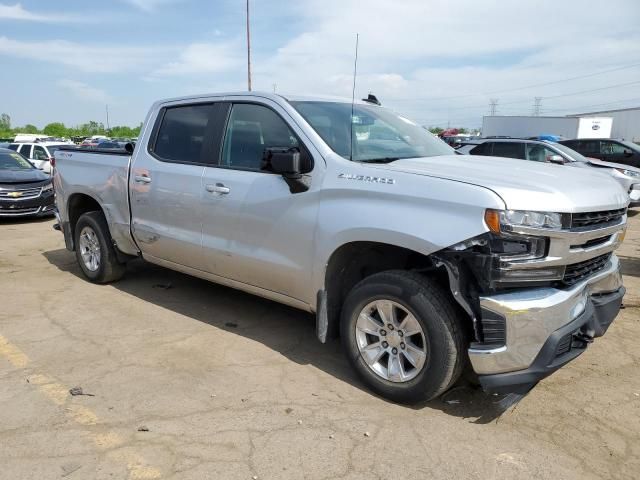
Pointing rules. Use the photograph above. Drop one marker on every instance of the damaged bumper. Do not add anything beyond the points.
(544, 328)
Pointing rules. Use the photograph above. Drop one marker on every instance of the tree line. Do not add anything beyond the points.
(58, 129)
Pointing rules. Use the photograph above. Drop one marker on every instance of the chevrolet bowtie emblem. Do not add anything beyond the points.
(14, 194)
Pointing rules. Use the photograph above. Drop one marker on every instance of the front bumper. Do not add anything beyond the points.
(545, 329)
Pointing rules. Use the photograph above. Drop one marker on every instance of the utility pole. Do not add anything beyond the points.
(248, 50)
(275, 85)
(493, 106)
(107, 109)
(537, 101)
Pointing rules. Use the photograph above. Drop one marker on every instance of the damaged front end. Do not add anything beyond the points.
(536, 293)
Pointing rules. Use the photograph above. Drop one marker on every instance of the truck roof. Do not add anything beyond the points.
(272, 96)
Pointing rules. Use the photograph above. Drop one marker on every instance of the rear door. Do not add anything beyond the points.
(166, 183)
(255, 230)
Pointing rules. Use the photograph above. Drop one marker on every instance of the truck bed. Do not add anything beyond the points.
(101, 174)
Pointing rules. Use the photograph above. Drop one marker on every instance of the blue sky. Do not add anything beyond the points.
(436, 61)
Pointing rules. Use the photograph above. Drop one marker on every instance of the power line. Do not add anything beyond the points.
(624, 67)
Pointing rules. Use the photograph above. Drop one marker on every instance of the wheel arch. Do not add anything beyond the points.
(78, 204)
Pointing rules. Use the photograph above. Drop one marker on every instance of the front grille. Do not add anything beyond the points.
(17, 211)
(20, 193)
(579, 271)
(595, 219)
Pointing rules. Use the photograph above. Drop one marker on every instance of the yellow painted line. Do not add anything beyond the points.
(59, 395)
(13, 354)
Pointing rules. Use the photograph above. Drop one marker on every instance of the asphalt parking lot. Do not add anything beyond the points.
(191, 380)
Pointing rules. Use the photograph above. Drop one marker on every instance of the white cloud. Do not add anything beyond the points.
(82, 56)
(148, 5)
(84, 92)
(17, 12)
(203, 58)
(416, 55)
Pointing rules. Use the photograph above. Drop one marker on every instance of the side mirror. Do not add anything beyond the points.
(556, 159)
(627, 153)
(286, 162)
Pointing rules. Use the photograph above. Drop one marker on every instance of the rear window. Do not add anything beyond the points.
(483, 149)
(508, 150)
(181, 135)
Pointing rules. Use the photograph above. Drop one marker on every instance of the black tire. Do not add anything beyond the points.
(434, 310)
(109, 269)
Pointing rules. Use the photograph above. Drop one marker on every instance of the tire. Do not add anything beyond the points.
(441, 339)
(93, 226)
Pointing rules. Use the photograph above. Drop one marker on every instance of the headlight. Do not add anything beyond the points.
(628, 173)
(47, 188)
(500, 221)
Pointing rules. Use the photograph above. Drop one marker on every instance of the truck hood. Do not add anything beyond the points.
(523, 185)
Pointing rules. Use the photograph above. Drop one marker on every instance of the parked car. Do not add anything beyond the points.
(24, 190)
(421, 259)
(545, 151)
(39, 154)
(609, 150)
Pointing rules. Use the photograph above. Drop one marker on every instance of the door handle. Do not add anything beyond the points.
(217, 188)
(142, 179)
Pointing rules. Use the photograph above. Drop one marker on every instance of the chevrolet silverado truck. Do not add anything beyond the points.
(423, 262)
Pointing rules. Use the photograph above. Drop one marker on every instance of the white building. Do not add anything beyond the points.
(626, 122)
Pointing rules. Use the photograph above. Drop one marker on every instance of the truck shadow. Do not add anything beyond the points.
(630, 265)
(286, 330)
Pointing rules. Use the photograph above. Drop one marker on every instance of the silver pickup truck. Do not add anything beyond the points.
(424, 262)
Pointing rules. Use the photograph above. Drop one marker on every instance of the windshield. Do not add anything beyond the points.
(375, 134)
(572, 153)
(14, 161)
(632, 146)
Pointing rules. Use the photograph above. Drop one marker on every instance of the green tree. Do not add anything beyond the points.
(5, 122)
(28, 128)
(436, 130)
(55, 129)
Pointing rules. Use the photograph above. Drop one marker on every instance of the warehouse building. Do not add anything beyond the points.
(626, 122)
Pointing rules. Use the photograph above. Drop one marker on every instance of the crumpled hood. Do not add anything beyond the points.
(602, 163)
(22, 176)
(523, 185)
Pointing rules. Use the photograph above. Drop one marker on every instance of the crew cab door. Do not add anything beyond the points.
(166, 183)
(255, 230)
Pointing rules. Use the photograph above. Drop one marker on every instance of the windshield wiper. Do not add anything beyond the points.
(380, 160)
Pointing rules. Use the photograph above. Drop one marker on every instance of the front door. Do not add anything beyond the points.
(255, 230)
(166, 184)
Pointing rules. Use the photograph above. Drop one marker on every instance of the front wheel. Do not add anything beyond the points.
(403, 336)
(95, 251)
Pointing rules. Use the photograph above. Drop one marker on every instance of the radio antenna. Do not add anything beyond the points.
(353, 99)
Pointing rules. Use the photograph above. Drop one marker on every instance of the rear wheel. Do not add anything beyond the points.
(95, 251)
(403, 336)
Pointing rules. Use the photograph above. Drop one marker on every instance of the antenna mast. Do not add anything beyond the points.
(248, 51)
(353, 97)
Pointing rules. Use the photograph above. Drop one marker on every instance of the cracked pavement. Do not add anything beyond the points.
(233, 386)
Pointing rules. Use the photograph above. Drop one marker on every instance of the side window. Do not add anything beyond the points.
(483, 149)
(250, 129)
(611, 148)
(25, 150)
(39, 153)
(508, 149)
(182, 135)
(588, 146)
(538, 153)
(14, 146)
